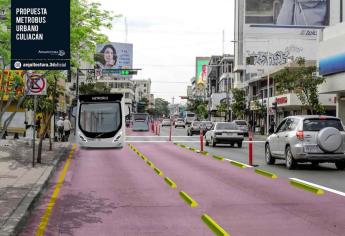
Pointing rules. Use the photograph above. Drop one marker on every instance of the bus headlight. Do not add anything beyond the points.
(117, 138)
(82, 138)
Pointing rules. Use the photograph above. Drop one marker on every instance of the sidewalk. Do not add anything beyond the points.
(20, 184)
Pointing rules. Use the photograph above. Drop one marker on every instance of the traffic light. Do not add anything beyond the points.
(128, 72)
(124, 72)
(275, 106)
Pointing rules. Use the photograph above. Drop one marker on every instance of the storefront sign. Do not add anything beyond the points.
(282, 100)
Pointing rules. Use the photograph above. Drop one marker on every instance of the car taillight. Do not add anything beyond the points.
(300, 135)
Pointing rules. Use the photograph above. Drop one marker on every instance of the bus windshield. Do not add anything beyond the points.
(98, 118)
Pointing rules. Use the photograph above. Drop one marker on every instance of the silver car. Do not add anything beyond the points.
(310, 138)
(242, 125)
(224, 132)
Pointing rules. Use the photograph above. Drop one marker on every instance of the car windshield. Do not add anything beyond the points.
(319, 124)
(190, 115)
(226, 126)
(241, 122)
(100, 117)
(207, 123)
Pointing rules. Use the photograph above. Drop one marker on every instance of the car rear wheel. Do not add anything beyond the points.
(290, 162)
(239, 144)
(206, 142)
(340, 165)
(270, 160)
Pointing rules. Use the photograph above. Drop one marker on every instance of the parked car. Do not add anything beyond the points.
(206, 126)
(180, 123)
(194, 128)
(242, 125)
(310, 138)
(224, 132)
(166, 122)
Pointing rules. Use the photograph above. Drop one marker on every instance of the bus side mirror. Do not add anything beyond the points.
(74, 111)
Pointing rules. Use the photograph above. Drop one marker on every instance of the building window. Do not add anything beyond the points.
(126, 95)
(144, 90)
(145, 85)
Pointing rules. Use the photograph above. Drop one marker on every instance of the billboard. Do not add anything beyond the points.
(114, 56)
(40, 37)
(287, 12)
(201, 71)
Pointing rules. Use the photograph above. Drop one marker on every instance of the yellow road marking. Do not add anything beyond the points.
(45, 218)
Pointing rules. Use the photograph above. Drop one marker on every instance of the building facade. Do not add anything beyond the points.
(266, 41)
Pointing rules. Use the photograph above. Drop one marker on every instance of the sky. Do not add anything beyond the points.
(167, 36)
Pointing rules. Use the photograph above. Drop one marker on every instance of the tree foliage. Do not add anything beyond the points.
(94, 88)
(301, 81)
(5, 34)
(201, 111)
(87, 21)
(238, 104)
(161, 108)
(143, 105)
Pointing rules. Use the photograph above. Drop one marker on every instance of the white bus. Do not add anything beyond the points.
(189, 117)
(141, 122)
(100, 121)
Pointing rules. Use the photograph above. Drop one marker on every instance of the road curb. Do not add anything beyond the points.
(216, 229)
(238, 164)
(307, 187)
(150, 164)
(219, 158)
(158, 171)
(20, 215)
(190, 201)
(171, 183)
(266, 174)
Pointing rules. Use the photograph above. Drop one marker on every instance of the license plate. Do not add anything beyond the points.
(228, 134)
(312, 149)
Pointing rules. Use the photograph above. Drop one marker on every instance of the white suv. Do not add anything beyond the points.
(180, 123)
(311, 138)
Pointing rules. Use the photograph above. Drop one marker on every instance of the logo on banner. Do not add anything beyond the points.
(36, 85)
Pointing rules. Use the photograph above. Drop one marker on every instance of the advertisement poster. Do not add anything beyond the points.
(288, 12)
(114, 56)
(201, 70)
(40, 35)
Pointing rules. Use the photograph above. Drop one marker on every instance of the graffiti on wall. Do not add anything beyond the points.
(277, 58)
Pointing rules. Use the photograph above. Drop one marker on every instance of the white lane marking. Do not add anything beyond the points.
(320, 186)
(159, 141)
(129, 136)
(254, 141)
(238, 162)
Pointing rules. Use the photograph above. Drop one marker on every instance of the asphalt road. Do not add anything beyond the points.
(325, 174)
(115, 192)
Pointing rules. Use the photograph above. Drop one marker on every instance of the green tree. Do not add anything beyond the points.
(238, 104)
(201, 111)
(142, 105)
(194, 104)
(161, 108)
(5, 34)
(46, 105)
(87, 21)
(301, 81)
(94, 88)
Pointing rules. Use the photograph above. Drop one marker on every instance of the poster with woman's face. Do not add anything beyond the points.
(288, 12)
(114, 56)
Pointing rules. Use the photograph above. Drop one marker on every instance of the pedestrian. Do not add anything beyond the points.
(60, 127)
(67, 126)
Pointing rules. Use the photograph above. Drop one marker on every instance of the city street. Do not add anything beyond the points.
(116, 192)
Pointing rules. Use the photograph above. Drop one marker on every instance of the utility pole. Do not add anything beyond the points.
(126, 30)
(173, 100)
